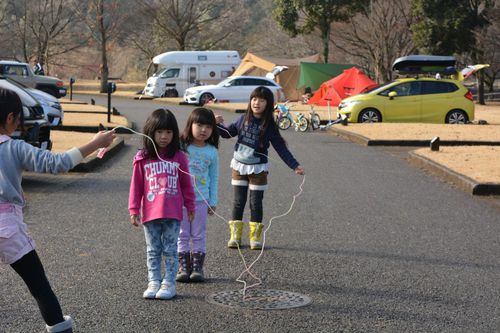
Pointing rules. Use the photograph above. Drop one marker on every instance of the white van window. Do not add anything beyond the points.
(169, 73)
(192, 74)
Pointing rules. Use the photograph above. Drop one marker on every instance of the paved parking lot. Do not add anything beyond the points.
(377, 244)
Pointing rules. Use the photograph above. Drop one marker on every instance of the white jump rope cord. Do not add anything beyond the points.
(247, 267)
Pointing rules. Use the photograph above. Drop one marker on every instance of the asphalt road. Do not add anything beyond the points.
(376, 243)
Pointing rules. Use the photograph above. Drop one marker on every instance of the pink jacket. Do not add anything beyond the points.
(160, 189)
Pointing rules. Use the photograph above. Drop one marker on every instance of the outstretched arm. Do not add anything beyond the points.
(100, 140)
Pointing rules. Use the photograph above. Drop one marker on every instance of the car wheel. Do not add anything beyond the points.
(205, 98)
(284, 123)
(456, 117)
(369, 116)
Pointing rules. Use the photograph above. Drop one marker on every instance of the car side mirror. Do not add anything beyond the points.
(227, 85)
(392, 94)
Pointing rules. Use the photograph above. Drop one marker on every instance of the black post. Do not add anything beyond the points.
(109, 103)
(435, 143)
(71, 81)
(111, 89)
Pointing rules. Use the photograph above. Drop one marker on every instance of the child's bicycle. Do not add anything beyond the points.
(284, 118)
(314, 118)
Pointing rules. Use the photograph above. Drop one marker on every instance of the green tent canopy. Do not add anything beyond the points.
(314, 74)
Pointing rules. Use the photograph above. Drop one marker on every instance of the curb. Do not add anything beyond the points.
(357, 138)
(72, 102)
(90, 129)
(215, 107)
(209, 106)
(92, 161)
(463, 182)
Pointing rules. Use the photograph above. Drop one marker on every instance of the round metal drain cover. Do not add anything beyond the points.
(259, 299)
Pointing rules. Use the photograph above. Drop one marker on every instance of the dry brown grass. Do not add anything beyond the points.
(92, 119)
(481, 163)
(63, 140)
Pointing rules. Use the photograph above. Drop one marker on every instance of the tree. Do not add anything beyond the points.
(104, 19)
(447, 27)
(302, 17)
(44, 29)
(386, 25)
(489, 42)
(192, 24)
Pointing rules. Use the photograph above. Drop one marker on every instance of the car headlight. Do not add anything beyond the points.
(346, 104)
(56, 106)
(190, 93)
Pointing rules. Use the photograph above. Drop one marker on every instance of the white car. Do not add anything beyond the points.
(36, 129)
(54, 113)
(234, 89)
(51, 106)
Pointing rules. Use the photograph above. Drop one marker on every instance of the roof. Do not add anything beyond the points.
(314, 74)
(257, 65)
(419, 64)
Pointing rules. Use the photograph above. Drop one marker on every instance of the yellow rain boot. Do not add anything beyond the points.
(236, 229)
(255, 233)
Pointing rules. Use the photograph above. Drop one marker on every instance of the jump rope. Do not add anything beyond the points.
(247, 269)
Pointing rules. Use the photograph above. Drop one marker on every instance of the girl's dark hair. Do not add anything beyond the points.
(202, 116)
(267, 120)
(10, 103)
(160, 119)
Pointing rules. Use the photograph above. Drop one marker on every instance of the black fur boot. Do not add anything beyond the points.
(198, 259)
(184, 267)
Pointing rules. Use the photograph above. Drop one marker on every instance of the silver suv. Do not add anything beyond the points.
(22, 73)
(35, 129)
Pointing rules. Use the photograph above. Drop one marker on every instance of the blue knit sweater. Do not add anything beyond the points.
(248, 148)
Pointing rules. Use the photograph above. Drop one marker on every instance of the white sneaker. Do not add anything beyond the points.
(153, 288)
(167, 291)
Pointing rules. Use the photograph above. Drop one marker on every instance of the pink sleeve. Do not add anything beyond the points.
(136, 189)
(186, 183)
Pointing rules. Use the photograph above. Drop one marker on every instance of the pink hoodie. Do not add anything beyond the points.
(159, 188)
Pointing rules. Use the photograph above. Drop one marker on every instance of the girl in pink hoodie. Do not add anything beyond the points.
(160, 187)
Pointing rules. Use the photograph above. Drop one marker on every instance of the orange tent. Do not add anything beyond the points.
(351, 82)
(258, 65)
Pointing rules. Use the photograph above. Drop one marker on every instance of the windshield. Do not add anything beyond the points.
(225, 81)
(23, 88)
(167, 73)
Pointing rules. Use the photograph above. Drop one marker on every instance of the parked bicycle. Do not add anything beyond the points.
(314, 118)
(285, 119)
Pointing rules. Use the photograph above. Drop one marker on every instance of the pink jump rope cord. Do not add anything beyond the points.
(102, 151)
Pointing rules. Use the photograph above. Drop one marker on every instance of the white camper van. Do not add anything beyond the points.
(179, 70)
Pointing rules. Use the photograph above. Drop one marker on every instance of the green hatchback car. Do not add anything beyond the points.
(425, 100)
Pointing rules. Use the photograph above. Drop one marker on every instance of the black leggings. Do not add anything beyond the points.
(30, 269)
(240, 200)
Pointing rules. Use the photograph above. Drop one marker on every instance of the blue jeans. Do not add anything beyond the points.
(161, 238)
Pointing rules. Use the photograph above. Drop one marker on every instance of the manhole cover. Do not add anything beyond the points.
(259, 299)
